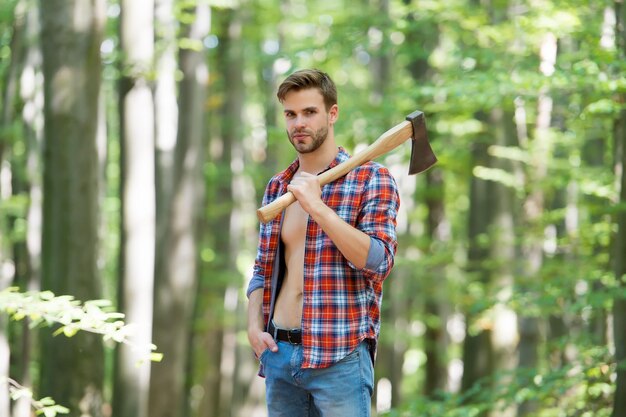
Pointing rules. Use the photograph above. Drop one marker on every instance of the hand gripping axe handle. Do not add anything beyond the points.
(422, 158)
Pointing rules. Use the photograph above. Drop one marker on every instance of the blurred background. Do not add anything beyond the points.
(137, 136)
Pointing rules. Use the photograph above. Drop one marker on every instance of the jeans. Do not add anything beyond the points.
(342, 390)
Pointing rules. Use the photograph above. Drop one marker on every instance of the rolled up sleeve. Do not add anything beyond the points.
(377, 219)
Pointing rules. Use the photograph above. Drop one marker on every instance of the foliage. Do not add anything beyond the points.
(45, 406)
(461, 61)
(94, 316)
(584, 389)
(46, 309)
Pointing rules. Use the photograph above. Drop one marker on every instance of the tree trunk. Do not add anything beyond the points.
(8, 267)
(541, 150)
(176, 284)
(593, 152)
(562, 327)
(26, 73)
(619, 267)
(381, 61)
(220, 385)
(503, 246)
(166, 110)
(5, 355)
(31, 92)
(437, 312)
(477, 348)
(268, 84)
(392, 350)
(71, 369)
(426, 34)
(135, 295)
(619, 264)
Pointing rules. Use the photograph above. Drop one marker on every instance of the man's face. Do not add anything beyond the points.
(307, 119)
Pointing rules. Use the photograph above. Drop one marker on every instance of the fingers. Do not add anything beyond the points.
(304, 184)
(307, 190)
(262, 342)
(270, 342)
(303, 179)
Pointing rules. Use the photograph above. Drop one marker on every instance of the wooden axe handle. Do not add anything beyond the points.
(388, 141)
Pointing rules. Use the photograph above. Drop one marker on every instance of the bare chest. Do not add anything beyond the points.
(294, 227)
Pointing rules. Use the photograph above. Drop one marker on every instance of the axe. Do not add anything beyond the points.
(422, 158)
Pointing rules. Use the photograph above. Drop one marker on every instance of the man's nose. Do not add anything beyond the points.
(300, 121)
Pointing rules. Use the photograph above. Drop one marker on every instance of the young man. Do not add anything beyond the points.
(314, 298)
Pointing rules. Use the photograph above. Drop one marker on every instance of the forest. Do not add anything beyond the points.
(136, 140)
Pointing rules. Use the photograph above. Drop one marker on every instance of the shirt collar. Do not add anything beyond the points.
(288, 173)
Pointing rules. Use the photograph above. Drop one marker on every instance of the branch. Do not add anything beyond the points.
(95, 316)
(45, 406)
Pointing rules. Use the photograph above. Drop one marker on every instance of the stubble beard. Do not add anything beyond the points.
(318, 138)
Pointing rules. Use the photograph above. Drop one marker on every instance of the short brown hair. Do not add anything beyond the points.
(309, 78)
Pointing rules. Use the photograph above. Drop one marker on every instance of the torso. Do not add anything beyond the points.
(288, 309)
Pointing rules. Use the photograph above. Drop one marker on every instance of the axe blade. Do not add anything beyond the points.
(422, 155)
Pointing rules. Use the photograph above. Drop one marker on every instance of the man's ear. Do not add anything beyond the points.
(333, 114)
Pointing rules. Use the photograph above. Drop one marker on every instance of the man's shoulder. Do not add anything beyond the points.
(375, 176)
(373, 168)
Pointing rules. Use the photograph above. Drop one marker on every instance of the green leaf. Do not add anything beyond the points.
(46, 295)
(46, 401)
(61, 410)
(70, 331)
(156, 357)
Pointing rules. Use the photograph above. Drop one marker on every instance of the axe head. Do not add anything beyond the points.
(422, 155)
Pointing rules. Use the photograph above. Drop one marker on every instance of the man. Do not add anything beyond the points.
(314, 298)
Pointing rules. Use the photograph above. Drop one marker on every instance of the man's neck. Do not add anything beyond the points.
(315, 162)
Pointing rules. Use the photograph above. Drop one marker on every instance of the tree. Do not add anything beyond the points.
(71, 371)
(10, 84)
(176, 279)
(218, 337)
(619, 264)
(477, 349)
(534, 207)
(27, 182)
(138, 243)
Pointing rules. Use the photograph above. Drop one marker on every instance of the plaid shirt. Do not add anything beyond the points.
(341, 304)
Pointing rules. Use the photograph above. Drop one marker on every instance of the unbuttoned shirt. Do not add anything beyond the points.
(341, 303)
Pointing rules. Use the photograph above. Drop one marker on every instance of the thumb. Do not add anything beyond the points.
(270, 343)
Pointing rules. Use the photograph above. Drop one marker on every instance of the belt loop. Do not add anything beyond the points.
(275, 332)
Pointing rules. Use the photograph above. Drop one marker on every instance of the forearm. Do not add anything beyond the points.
(257, 336)
(352, 243)
(255, 312)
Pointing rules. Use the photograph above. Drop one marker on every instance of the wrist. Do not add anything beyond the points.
(319, 210)
(255, 329)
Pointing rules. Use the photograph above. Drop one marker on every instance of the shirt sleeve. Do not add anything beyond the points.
(258, 275)
(377, 219)
(255, 283)
(376, 254)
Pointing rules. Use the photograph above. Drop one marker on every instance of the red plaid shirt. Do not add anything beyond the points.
(341, 304)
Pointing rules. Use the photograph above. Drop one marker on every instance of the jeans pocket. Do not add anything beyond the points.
(264, 354)
(352, 356)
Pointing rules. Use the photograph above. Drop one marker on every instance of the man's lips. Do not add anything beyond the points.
(299, 136)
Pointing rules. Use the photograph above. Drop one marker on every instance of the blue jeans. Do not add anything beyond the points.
(341, 390)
